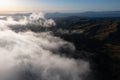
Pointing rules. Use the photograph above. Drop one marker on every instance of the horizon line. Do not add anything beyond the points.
(3, 12)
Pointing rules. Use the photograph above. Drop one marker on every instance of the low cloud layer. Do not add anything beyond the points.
(31, 56)
(25, 22)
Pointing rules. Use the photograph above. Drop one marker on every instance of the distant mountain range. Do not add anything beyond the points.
(86, 14)
(81, 14)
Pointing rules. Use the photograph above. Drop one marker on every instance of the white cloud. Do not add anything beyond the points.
(25, 55)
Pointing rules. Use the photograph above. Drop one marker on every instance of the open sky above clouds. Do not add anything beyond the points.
(59, 5)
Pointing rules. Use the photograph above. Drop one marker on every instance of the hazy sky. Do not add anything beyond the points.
(59, 5)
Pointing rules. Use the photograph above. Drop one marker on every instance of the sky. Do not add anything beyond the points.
(59, 5)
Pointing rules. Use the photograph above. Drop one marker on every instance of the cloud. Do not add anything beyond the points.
(35, 19)
(31, 56)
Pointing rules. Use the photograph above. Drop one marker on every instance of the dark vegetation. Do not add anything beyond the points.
(96, 40)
